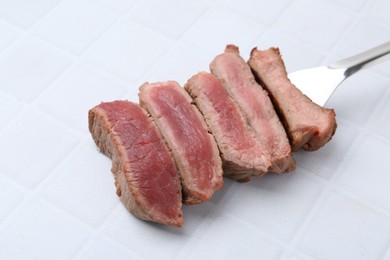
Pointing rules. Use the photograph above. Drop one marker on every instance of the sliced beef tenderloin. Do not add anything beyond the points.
(240, 150)
(308, 125)
(193, 148)
(145, 175)
(253, 101)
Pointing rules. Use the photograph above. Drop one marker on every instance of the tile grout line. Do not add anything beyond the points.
(174, 39)
(27, 203)
(386, 251)
(13, 215)
(43, 17)
(99, 231)
(35, 23)
(201, 227)
(82, 58)
(14, 119)
(52, 118)
(357, 15)
(180, 40)
(24, 33)
(195, 234)
(43, 183)
(322, 198)
(113, 12)
(76, 59)
(75, 54)
(34, 191)
(367, 127)
(332, 181)
(311, 214)
(273, 28)
(175, 42)
(288, 7)
(285, 245)
(328, 186)
(9, 45)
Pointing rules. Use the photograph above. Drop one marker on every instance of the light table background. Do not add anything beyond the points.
(60, 58)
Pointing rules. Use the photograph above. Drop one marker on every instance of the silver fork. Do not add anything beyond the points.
(319, 83)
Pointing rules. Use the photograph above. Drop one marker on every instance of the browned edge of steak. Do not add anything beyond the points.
(110, 144)
(309, 136)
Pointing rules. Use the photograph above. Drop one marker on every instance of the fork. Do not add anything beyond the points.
(319, 83)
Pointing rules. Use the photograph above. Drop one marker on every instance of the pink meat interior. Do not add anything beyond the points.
(152, 169)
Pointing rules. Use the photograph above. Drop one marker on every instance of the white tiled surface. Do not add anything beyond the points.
(60, 58)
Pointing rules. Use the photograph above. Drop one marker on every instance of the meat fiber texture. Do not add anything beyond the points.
(145, 175)
(256, 106)
(241, 152)
(193, 147)
(308, 125)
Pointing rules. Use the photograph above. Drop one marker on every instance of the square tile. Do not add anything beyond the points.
(296, 54)
(103, 248)
(42, 232)
(119, 6)
(129, 51)
(29, 67)
(221, 27)
(357, 98)
(35, 145)
(265, 12)
(74, 25)
(9, 108)
(78, 91)
(126, 229)
(367, 171)
(25, 13)
(219, 241)
(345, 228)
(310, 22)
(325, 161)
(380, 118)
(159, 16)
(172, 67)
(7, 35)
(90, 184)
(12, 192)
(277, 204)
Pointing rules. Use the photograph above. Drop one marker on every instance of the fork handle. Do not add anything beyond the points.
(363, 60)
